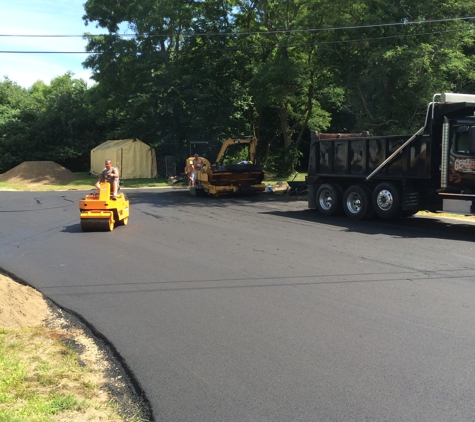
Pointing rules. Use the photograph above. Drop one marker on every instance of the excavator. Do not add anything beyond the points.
(219, 179)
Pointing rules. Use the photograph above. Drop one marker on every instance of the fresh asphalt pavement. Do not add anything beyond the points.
(257, 309)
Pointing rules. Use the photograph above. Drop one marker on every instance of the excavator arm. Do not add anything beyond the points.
(219, 179)
(252, 142)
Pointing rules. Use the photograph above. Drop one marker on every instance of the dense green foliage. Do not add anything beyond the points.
(48, 122)
(204, 71)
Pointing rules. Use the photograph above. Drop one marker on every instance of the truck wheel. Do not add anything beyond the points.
(329, 199)
(387, 201)
(357, 202)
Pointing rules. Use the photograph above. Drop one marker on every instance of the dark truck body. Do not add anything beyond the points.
(396, 176)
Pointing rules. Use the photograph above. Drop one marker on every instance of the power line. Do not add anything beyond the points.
(280, 31)
(48, 52)
(238, 48)
(253, 47)
(263, 46)
(340, 41)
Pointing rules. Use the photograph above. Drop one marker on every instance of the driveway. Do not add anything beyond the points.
(257, 309)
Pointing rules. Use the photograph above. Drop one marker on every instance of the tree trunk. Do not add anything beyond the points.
(284, 124)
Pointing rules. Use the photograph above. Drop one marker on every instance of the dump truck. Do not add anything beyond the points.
(398, 175)
(218, 179)
(100, 212)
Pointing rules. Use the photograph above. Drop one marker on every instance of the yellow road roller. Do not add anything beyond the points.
(100, 212)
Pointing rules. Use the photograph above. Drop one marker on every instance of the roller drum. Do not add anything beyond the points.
(97, 224)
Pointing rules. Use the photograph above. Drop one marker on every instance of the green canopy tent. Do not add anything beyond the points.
(133, 158)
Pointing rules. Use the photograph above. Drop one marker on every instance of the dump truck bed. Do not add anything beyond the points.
(360, 157)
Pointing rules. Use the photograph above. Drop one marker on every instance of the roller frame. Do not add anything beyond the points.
(99, 212)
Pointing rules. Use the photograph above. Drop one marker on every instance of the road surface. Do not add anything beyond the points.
(257, 309)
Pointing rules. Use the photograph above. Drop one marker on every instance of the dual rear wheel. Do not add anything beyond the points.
(359, 202)
(329, 199)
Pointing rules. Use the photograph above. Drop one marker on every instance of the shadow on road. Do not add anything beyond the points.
(73, 228)
(412, 227)
(182, 197)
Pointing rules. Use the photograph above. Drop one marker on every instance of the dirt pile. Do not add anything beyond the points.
(22, 306)
(39, 173)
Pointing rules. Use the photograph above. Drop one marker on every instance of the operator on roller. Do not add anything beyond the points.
(111, 175)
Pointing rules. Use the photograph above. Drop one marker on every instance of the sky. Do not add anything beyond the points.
(42, 17)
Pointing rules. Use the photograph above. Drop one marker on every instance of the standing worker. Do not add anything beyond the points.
(197, 166)
(111, 175)
(189, 172)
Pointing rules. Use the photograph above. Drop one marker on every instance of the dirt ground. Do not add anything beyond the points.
(22, 306)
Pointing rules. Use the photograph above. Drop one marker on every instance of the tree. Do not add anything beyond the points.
(135, 75)
(286, 77)
(48, 122)
(395, 57)
(68, 129)
(171, 82)
(17, 114)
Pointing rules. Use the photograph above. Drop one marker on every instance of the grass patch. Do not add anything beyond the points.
(42, 379)
(273, 178)
(447, 215)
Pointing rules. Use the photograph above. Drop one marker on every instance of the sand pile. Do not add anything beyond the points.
(22, 306)
(39, 173)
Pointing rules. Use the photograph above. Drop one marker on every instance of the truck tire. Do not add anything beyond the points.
(387, 201)
(329, 199)
(357, 202)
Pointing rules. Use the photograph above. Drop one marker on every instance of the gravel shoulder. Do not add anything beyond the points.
(115, 398)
